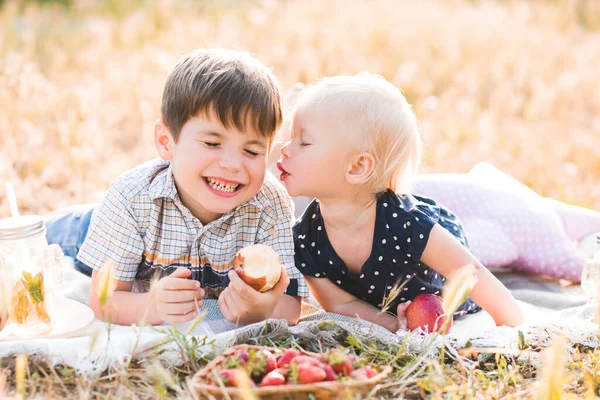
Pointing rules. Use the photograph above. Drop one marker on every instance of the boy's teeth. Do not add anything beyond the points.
(221, 186)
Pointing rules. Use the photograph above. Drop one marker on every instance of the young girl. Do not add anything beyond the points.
(356, 148)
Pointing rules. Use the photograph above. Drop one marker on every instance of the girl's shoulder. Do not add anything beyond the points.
(308, 221)
(415, 215)
(409, 207)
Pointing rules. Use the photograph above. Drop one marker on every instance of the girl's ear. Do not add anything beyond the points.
(163, 140)
(360, 169)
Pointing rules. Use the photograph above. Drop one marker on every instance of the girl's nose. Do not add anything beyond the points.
(285, 152)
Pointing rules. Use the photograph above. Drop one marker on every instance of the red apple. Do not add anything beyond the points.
(427, 311)
(259, 266)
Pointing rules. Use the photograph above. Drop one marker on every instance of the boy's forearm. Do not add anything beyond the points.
(496, 299)
(369, 313)
(126, 308)
(288, 308)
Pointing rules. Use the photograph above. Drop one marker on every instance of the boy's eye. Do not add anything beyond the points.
(252, 153)
(211, 144)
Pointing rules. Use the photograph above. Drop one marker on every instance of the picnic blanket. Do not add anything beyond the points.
(550, 306)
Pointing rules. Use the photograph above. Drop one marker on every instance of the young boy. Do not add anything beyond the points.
(185, 215)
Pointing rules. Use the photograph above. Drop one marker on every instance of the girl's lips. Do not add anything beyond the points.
(284, 174)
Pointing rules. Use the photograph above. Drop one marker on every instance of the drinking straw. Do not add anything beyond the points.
(12, 199)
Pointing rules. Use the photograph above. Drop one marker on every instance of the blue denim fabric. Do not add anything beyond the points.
(68, 229)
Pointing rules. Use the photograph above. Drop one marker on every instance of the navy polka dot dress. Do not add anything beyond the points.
(402, 227)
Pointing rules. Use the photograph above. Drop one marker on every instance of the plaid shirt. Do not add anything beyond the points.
(142, 226)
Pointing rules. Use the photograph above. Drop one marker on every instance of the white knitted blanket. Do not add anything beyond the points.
(547, 308)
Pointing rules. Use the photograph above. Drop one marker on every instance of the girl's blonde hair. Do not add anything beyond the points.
(378, 120)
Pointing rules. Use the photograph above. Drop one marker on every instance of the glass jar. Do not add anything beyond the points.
(28, 271)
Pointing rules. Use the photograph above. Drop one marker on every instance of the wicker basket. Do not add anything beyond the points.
(201, 388)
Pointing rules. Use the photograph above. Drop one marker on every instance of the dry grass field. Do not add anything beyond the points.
(514, 83)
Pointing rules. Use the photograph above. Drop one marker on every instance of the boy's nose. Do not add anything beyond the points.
(231, 162)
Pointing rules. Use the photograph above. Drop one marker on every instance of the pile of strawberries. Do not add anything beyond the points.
(274, 367)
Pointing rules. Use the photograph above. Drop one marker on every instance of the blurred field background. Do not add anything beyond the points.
(514, 83)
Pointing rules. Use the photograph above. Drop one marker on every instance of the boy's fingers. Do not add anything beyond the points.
(283, 283)
(241, 288)
(181, 272)
(225, 307)
(233, 300)
(178, 308)
(179, 296)
(180, 284)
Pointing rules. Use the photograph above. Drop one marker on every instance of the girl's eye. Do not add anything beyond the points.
(211, 144)
(304, 144)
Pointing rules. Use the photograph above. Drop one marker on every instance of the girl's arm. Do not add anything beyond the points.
(446, 255)
(336, 300)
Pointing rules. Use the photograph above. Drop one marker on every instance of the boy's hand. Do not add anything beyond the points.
(401, 313)
(177, 298)
(241, 304)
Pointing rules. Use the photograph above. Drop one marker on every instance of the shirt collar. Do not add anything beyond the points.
(261, 200)
(163, 185)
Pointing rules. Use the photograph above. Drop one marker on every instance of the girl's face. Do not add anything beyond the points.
(315, 160)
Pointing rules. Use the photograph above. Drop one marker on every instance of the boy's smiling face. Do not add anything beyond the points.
(215, 168)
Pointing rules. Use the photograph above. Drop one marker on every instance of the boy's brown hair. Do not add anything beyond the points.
(239, 90)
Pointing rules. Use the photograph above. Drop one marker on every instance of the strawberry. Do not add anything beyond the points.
(364, 373)
(371, 372)
(310, 373)
(287, 357)
(283, 371)
(302, 359)
(237, 359)
(270, 361)
(344, 367)
(243, 355)
(329, 371)
(260, 363)
(229, 377)
(341, 362)
(273, 378)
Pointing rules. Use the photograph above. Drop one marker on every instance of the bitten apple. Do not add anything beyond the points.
(427, 311)
(259, 266)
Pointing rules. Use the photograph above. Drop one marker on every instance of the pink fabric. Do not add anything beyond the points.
(508, 225)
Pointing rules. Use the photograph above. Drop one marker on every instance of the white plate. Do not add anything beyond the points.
(72, 319)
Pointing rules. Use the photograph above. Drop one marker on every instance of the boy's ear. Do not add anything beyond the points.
(360, 169)
(163, 140)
